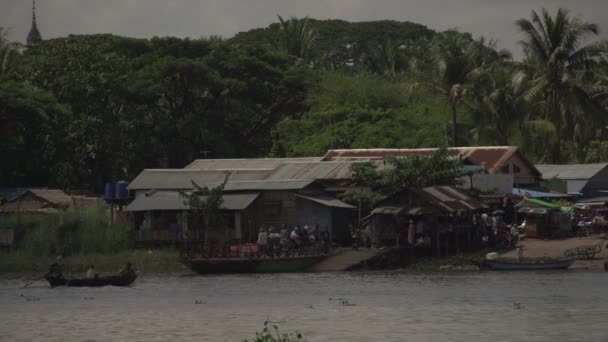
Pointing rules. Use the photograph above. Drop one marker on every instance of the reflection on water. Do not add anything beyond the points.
(562, 306)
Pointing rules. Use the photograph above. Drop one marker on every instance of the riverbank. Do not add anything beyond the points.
(555, 249)
(147, 261)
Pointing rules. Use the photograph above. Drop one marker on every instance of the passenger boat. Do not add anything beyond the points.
(517, 266)
(252, 265)
(123, 279)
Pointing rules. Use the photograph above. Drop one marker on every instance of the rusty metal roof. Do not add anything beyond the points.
(490, 157)
(246, 164)
(450, 199)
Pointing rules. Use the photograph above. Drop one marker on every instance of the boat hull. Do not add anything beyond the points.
(115, 280)
(243, 265)
(514, 266)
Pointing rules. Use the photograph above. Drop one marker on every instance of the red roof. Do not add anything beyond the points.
(491, 158)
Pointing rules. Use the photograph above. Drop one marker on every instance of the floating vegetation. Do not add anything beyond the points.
(30, 298)
(274, 335)
(342, 301)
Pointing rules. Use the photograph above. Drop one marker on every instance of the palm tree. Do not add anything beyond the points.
(560, 65)
(296, 37)
(502, 106)
(458, 62)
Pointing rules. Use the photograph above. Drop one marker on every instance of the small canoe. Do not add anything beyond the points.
(516, 266)
(252, 265)
(124, 279)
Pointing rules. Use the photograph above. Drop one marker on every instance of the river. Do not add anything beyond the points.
(544, 306)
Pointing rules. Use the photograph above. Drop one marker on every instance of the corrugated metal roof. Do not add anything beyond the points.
(319, 170)
(490, 157)
(328, 201)
(387, 210)
(450, 198)
(173, 200)
(247, 164)
(575, 171)
(268, 185)
(181, 179)
(57, 197)
(175, 179)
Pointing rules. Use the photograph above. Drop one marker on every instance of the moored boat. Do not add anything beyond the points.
(252, 265)
(122, 279)
(528, 266)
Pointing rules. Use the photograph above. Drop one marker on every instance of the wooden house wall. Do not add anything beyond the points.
(271, 208)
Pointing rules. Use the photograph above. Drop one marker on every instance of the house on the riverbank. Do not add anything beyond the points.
(504, 167)
(251, 201)
(442, 216)
(581, 180)
(299, 191)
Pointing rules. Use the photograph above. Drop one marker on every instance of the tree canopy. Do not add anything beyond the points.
(95, 108)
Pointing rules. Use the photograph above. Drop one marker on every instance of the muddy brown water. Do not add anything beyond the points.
(537, 306)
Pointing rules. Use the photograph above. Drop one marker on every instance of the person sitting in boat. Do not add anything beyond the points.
(56, 268)
(91, 272)
(262, 242)
(127, 270)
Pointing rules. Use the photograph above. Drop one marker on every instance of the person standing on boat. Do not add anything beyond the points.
(262, 242)
(274, 239)
(411, 233)
(90, 272)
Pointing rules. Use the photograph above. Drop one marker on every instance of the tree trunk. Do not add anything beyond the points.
(556, 155)
(454, 128)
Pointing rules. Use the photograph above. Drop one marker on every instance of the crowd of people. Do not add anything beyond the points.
(288, 240)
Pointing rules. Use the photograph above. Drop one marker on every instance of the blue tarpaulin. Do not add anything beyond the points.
(537, 194)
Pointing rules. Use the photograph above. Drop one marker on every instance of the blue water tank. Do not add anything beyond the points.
(121, 189)
(109, 191)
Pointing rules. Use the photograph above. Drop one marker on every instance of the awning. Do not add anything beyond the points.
(528, 210)
(173, 200)
(535, 202)
(387, 210)
(328, 201)
(536, 194)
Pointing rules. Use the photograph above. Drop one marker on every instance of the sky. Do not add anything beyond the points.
(201, 18)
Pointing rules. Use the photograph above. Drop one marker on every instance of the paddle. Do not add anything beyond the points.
(31, 282)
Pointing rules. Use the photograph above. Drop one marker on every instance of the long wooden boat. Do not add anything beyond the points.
(516, 266)
(252, 265)
(124, 279)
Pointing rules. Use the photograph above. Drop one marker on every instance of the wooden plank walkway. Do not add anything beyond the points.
(344, 259)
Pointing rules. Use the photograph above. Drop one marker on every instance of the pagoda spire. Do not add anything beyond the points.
(34, 36)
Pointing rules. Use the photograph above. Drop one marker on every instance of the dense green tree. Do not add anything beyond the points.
(362, 111)
(31, 138)
(398, 173)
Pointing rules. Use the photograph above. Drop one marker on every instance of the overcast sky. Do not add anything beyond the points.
(195, 18)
